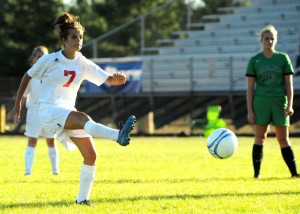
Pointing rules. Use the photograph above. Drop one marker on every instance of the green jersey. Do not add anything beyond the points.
(269, 73)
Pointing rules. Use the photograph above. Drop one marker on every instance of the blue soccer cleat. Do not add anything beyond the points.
(124, 134)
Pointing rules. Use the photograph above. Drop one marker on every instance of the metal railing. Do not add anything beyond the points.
(140, 19)
(194, 74)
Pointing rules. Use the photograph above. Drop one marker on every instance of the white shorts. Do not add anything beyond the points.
(34, 126)
(53, 119)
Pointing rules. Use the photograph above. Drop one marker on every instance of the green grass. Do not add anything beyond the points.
(152, 175)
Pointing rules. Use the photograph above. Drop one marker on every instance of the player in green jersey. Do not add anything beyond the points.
(270, 98)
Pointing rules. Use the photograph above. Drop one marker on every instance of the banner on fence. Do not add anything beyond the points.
(133, 71)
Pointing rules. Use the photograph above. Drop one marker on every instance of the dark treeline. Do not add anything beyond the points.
(28, 23)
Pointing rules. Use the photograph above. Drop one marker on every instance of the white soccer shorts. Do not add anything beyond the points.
(34, 126)
(53, 119)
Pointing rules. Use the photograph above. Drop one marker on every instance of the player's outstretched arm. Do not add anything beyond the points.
(15, 113)
(117, 79)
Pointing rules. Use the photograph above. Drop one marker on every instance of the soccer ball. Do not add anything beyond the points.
(222, 143)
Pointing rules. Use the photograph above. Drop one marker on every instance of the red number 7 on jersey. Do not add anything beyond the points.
(67, 73)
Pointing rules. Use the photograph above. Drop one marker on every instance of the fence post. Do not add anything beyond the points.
(2, 119)
(231, 73)
(232, 111)
(192, 74)
(188, 16)
(142, 34)
(151, 75)
(95, 55)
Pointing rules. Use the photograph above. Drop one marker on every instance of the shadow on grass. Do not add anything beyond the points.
(136, 181)
(190, 196)
(187, 180)
(36, 205)
(140, 198)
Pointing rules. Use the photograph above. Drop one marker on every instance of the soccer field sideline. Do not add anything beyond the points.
(152, 175)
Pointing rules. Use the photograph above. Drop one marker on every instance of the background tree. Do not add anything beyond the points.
(107, 15)
(28, 23)
(158, 25)
(24, 25)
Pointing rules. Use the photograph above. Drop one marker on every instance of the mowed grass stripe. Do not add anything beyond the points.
(152, 175)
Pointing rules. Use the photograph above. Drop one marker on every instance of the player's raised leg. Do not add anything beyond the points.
(80, 120)
(124, 134)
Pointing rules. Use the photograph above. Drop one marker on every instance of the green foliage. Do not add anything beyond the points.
(28, 23)
(152, 175)
(210, 8)
(24, 25)
(103, 16)
(127, 41)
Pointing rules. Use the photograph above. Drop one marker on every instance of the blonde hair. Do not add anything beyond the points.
(37, 50)
(268, 29)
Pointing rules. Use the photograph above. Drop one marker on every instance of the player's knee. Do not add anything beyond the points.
(32, 142)
(84, 116)
(260, 140)
(283, 141)
(50, 143)
(90, 158)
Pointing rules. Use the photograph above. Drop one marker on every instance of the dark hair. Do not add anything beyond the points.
(65, 22)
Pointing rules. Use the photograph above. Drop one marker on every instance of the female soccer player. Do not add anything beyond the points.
(61, 74)
(270, 98)
(34, 128)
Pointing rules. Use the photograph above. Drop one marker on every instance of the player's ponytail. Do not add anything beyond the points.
(65, 22)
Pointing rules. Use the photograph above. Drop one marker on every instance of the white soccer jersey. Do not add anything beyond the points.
(62, 77)
(32, 93)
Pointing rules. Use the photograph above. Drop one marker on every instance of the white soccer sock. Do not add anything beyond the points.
(99, 130)
(29, 156)
(54, 159)
(87, 176)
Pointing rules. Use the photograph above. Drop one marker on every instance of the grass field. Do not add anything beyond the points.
(152, 175)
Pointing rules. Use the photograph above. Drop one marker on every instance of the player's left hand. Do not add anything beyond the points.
(14, 114)
(120, 77)
(289, 111)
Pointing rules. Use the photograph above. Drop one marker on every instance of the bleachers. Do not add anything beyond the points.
(265, 6)
(221, 33)
(234, 40)
(245, 17)
(193, 73)
(253, 16)
(195, 68)
(251, 24)
(271, 2)
(215, 59)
